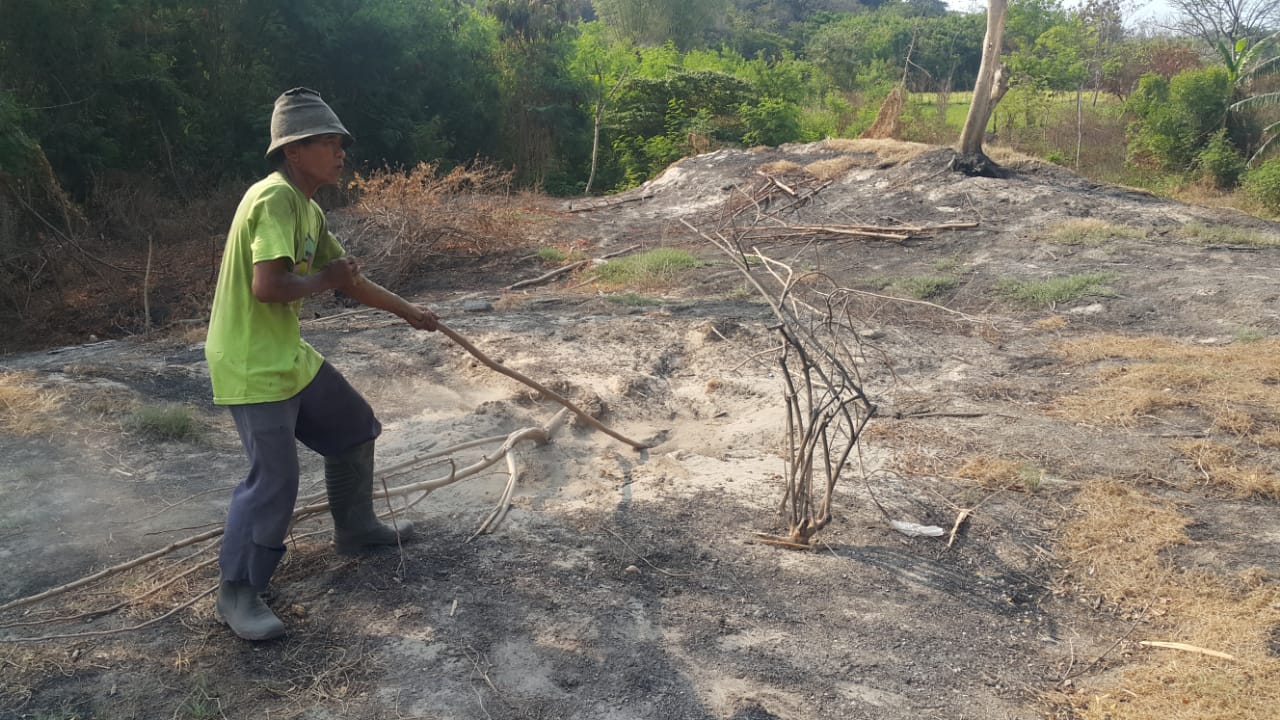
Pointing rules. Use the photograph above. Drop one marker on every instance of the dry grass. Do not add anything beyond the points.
(27, 408)
(1116, 549)
(780, 167)
(888, 122)
(1236, 388)
(1009, 157)
(1090, 231)
(411, 217)
(996, 473)
(1053, 322)
(890, 152)
(832, 168)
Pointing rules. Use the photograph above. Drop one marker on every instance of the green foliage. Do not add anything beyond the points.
(1177, 118)
(771, 121)
(1262, 185)
(1051, 291)
(170, 421)
(1219, 162)
(947, 50)
(687, 23)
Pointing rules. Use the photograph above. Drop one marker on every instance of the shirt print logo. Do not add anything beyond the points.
(308, 254)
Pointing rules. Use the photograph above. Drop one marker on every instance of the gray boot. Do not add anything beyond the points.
(348, 480)
(239, 606)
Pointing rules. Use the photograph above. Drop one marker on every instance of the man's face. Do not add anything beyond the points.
(318, 161)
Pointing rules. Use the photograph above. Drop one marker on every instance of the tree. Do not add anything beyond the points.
(1260, 60)
(1224, 23)
(687, 23)
(987, 91)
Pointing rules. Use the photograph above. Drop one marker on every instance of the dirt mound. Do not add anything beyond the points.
(630, 585)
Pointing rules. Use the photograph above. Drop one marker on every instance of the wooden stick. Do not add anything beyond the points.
(108, 572)
(547, 276)
(116, 631)
(964, 515)
(1186, 648)
(547, 392)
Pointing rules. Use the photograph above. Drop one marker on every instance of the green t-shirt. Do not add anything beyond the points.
(255, 350)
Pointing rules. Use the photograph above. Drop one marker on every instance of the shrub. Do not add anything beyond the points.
(411, 217)
(647, 270)
(1220, 163)
(170, 421)
(1262, 185)
(1051, 291)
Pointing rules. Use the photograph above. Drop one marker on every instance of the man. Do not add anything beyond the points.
(278, 388)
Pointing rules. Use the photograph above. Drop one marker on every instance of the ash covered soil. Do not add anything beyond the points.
(628, 584)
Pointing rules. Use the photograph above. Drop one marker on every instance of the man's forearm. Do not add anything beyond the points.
(368, 292)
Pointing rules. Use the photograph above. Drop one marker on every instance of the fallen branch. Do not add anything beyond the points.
(114, 631)
(1186, 648)
(547, 276)
(513, 473)
(964, 515)
(108, 572)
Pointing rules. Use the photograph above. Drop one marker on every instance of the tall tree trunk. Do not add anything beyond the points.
(987, 91)
(1079, 123)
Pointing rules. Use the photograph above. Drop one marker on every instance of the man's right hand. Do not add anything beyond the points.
(342, 274)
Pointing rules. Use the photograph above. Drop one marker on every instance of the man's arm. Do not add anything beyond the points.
(368, 292)
(274, 282)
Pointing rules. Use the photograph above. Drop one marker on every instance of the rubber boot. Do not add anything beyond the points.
(239, 606)
(348, 480)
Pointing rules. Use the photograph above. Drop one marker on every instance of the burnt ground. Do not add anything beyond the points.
(631, 585)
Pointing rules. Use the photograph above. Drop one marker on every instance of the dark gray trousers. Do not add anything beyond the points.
(329, 417)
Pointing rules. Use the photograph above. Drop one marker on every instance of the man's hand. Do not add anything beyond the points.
(421, 318)
(342, 274)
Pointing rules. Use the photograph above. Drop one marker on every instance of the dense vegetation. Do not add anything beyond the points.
(117, 115)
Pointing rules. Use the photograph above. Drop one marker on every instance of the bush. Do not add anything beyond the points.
(170, 421)
(1262, 185)
(1220, 163)
(424, 213)
(772, 121)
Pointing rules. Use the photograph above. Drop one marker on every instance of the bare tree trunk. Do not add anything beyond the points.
(1079, 123)
(986, 92)
(595, 131)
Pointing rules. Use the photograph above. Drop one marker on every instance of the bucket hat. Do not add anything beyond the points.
(301, 113)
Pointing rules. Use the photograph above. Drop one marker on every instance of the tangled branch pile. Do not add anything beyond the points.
(821, 353)
(410, 217)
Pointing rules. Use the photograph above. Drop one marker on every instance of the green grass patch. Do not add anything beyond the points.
(1088, 231)
(632, 300)
(652, 269)
(1051, 291)
(168, 421)
(1222, 235)
(555, 255)
(927, 287)
(1249, 335)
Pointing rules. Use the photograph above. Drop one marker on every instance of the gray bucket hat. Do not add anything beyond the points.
(300, 113)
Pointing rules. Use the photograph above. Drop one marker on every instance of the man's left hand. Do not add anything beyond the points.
(421, 318)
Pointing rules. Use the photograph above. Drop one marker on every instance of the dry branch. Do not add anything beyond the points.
(545, 391)
(547, 276)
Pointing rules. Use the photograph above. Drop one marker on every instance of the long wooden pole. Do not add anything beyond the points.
(500, 368)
